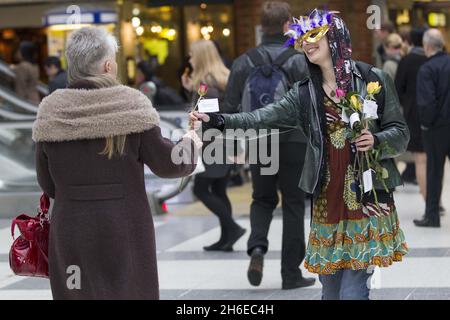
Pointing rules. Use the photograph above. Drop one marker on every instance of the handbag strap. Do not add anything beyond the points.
(44, 205)
(13, 225)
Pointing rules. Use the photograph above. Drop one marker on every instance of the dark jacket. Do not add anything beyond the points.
(406, 84)
(299, 108)
(433, 91)
(101, 219)
(58, 82)
(295, 68)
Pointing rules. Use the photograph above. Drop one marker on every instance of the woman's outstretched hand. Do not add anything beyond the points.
(365, 141)
(197, 116)
(208, 121)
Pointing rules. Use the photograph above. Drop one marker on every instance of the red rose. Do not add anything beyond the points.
(203, 89)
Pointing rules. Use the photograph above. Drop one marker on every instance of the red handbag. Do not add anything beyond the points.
(29, 252)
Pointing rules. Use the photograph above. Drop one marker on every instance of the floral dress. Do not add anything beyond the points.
(343, 236)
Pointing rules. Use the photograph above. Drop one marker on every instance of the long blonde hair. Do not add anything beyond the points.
(208, 63)
(114, 145)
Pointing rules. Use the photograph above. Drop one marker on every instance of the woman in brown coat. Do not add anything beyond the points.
(93, 140)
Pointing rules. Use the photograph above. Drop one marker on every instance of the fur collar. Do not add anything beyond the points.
(75, 114)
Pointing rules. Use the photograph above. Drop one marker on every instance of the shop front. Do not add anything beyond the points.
(48, 25)
(61, 22)
(427, 14)
(166, 29)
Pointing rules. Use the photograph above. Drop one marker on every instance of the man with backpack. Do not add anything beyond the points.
(259, 77)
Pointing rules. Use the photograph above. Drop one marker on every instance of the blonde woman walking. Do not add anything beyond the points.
(211, 186)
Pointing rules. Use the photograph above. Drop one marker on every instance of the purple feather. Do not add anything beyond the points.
(289, 43)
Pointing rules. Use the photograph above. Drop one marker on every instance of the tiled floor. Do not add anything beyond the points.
(186, 272)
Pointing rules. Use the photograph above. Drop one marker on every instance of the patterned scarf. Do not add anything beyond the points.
(341, 53)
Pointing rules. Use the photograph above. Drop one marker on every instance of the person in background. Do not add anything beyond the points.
(406, 84)
(211, 186)
(27, 73)
(409, 174)
(185, 69)
(155, 88)
(433, 109)
(393, 45)
(226, 61)
(56, 74)
(407, 41)
(145, 80)
(245, 87)
(380, 35)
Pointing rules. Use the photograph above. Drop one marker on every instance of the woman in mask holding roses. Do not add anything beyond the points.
(351, 231)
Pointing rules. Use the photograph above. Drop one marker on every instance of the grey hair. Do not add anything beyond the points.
(434, 38)
(86, 50)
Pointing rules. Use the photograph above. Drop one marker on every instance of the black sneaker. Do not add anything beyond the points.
(255, 269)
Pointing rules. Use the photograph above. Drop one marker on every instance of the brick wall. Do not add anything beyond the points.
(247, 15)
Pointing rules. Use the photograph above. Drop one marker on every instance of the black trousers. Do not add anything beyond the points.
(437, 147)
(213, 193)
(265, 200)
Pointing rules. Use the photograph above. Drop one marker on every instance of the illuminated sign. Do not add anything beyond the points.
(437, 19)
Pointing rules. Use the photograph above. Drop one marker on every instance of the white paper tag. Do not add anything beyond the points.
(353, 119)
(367, 180)
(208, 105)
(370, 109)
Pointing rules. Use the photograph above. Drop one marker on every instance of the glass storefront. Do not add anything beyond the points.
(61, 22)
(165, 34)
(434, 14)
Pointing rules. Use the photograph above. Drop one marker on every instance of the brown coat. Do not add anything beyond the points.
(101, 220)
(27, 79)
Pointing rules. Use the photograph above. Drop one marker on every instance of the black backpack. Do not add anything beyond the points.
(268, 81)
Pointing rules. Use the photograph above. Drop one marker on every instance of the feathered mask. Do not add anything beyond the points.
(310, 28)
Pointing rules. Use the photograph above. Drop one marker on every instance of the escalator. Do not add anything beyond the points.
(19, 191)
(7, 77)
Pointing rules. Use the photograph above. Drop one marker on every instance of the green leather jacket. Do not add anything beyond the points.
(299, 109)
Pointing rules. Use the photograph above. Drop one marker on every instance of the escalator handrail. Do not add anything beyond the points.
(10, 96)
(6, 70)
(16, 116)
(25, 124)
(42, 88)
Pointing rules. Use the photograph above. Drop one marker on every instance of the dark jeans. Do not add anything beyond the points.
(213, 193)
(265, 200)
(346, 285)
(437, 147)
